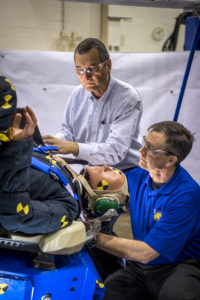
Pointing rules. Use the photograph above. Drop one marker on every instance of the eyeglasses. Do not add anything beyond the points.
(91, 70)
(153, 149)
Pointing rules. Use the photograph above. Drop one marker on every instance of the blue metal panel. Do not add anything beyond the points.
(74, 278)
(12, 288)
(187, 71)
(191, 24)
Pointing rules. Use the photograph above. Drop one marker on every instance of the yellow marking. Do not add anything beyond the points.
(4, 137)
(64, 222)
(117, 171)
(102, 185)
(3, 288)
(11, 86)
(157, 216)
(52, 161)
(10, 133)
(21, 209)
(100, 284)
(7, 98)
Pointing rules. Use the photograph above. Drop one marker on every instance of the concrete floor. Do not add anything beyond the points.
(123, 226)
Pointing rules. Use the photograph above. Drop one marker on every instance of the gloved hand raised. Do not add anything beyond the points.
(30, 124)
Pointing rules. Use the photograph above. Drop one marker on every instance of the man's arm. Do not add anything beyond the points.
(113, 149)
(126, 248)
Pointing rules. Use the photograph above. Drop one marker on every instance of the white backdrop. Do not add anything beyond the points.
(44, 80)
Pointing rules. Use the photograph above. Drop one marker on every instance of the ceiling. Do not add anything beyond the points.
(184, 4)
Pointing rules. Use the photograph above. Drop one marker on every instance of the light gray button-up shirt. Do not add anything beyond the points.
(106, 129)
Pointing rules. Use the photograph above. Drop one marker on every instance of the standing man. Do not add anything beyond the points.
(164, 256)
(102, 116)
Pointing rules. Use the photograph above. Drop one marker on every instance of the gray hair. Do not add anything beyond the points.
(179, 140)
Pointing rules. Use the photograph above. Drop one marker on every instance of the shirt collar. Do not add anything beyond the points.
(105, 96)
(169, 186)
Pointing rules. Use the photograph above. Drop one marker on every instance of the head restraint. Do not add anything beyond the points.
(120, 196)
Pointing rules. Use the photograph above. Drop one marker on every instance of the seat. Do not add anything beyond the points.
(65, 241)
(68, 240)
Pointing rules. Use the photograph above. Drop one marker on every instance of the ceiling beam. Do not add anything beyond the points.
(183, 4)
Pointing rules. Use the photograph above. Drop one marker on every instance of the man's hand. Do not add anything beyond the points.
(28, 130)
(64, 147)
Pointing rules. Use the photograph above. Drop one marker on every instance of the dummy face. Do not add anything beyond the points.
(98, 81)
(149, 159)
(104, 178)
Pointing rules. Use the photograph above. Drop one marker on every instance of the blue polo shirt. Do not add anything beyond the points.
(168, 218)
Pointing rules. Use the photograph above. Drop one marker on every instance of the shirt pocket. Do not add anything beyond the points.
(105, 130)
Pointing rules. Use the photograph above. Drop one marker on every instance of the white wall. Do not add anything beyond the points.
(135, 35)
(36, 25)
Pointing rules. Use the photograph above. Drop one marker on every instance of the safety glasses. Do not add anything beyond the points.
(91, 70)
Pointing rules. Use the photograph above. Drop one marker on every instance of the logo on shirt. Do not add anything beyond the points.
(3, 288)
(157, 215)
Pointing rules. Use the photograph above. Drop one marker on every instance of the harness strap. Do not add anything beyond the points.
(45, 149)
(55, 172)
(89, 190)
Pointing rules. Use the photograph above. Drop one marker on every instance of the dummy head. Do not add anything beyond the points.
(106, 188)
(104, 178)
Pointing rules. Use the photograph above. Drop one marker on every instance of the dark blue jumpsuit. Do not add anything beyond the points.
(31, 201)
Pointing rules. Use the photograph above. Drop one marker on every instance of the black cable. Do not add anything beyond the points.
(171, 42)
